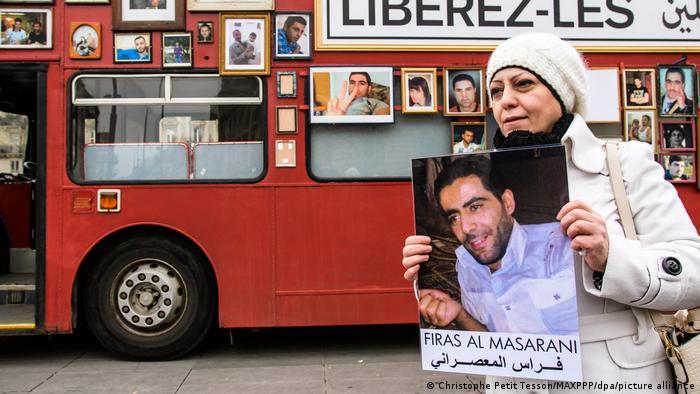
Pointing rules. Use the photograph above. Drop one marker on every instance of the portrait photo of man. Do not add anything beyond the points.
(513, 276)
(463, 91)
(468, 137)
(134, 47)
(292, 35)
(677, 91)
(347, 95)
(639, 87)
(678, 135)
(679, 168)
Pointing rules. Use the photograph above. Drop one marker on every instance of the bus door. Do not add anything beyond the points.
(22, 127)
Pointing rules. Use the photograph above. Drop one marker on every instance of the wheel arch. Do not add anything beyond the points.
(130, 232)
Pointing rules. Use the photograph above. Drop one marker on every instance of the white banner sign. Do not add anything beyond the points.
(438, 25)
(550, 357)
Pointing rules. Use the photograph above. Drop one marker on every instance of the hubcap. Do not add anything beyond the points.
(150, 296)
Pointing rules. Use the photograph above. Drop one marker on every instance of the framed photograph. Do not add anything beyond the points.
(132, 47)
(285, 153)
(286, 119)
(677, 90)
(26, 28)
(205, 32)
(292, 35)
(227, 5)
(286, 84)
(679, 168)
(418, 90)
(678, 135)
(86, 1)
(640, 89)
(463, 93)
(86, 40)
(148, 14)
(351, 94)
(177, 49)
(28, 2)
(468, 137)
(640, 125)
(244, 48)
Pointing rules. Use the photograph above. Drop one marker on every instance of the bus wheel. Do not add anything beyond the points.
(149, 299)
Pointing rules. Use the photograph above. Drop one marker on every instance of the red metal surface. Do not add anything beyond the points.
(15, 202)
(286, 251)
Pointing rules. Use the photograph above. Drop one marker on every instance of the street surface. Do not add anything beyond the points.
(364, 359)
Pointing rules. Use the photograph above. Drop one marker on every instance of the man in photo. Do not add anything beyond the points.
(676, 169)
(354, 98)
(514, 278)
(638, 94)
(288, 36)
(467, 144)
(675, 136)
(239, 51)
(16, 35)
(37, 35)
(140, 52)
(642, 132)
(466, 97)
(675, 101)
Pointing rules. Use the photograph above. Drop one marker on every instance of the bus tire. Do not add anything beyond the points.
(149, 299)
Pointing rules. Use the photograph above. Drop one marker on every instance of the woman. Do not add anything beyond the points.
(419, 93)
(537, 84)
(204, 34)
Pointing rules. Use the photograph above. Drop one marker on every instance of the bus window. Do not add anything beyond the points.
(201, 127)
(375, 152)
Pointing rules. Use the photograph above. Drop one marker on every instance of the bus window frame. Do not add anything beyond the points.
(140, 73)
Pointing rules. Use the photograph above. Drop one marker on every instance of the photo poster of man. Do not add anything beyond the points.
(352, 95)
(497, 295)
(244, 42)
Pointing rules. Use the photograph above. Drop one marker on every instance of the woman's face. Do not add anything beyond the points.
(522, 102)
(417, 95)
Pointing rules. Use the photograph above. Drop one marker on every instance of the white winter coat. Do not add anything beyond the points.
(619, 344)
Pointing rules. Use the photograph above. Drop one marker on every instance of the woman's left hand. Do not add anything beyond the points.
(587, 231)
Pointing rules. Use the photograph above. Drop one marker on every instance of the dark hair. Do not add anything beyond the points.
(676, 70)
(421, 83)
(463, 77)
(674, 158)
(18, 20)
(647, 116)
(141, 37)
(36, 23)
(294, 19)
(477, 165)
(252, 34)
(366, 74)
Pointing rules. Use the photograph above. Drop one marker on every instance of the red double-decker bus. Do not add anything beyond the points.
(153, 202)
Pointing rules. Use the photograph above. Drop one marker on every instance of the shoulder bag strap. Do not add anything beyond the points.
(618, 188)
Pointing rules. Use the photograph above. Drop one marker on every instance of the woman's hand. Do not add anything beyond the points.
(415, 252)
(588, 233)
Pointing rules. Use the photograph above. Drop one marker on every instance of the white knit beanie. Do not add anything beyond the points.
(555, 62)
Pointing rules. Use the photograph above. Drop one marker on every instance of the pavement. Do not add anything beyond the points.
(364, 359)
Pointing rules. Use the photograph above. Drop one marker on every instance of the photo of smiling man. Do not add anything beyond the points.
(511, 283)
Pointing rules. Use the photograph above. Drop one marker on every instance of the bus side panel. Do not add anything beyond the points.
(338, 254)
(232, 225)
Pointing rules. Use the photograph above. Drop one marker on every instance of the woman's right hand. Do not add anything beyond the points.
(415, 252)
